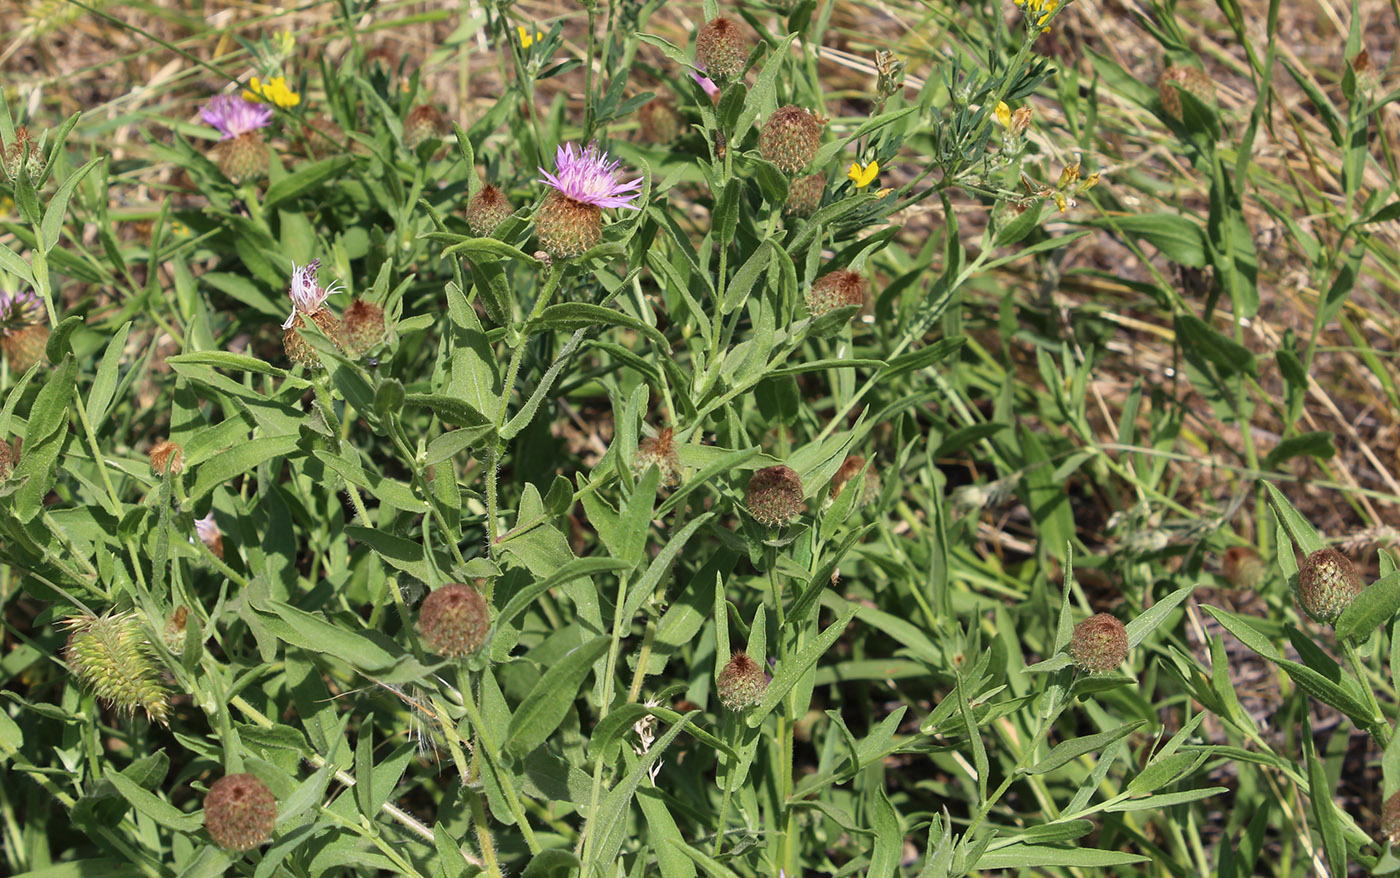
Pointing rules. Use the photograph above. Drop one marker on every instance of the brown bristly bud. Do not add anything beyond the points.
(774, 496)
(741, 682)
(25, 347)
(454, 620)
(1390, 819)
(174, 634)
(243, 158)
(487, 210)
(361, 328)
(111, 657)
(568, 228)
(722, 50)
(790, 138)
(22, 156)
(424, 122)
(240, 812)
(1192, 79)
(805, 195)
(1099, 644)
(836, 289)
(1327, 584)
(658, 122)
(1243, 567)
(166, 456)
(659, 451)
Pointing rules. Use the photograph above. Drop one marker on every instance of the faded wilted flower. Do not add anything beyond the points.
(1099, 644)
(850, 468)
(454, 620)
(1243, 567)
(165, 457)
(741, 682)
(207, 529)
(111, 656)
(842, 288)
(308, 299)
(1390, 819)
(361, 327)
(424, 122)
(487, 210)
(7, 460)
(659, 451)
(774, 495)
(240, 812)
(22, 155)
(1192, 79)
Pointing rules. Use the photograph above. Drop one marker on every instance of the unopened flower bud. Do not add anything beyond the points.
(1192, 79)
(658, 122)
(454, 620)
(659, 451)
(720, 48)
(1327, 584)
(242, 158)
(487, 210)
(1243, 567)
(836, 289)
(774, 495)
(361, 328)
(111, 657)
(789, 139)
(240, 812)
(424, 122)
(166, 456)
(805, 195)
(1099, 644)
(741, 682)
(22, 155)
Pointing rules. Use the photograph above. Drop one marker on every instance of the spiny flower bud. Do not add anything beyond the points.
(720, 48)
(361, 328)
(789, 139)
(487, 210)
(659, 451)
(454, 620)
(804, 195)
(850, 467)
(424, 122)
(1327, 584)
(658, 121)
(836, 289)
(166, 456)
(1390, 819)
(111, 657)
(22, 156)
(240, 812)
(568, 228)
(774, 495)
(242, 158)
(1099, 644)
(7, 460)
(741, 683)
(1244, 568)
(1192, 79)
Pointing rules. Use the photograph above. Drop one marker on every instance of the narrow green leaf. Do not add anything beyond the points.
(796, 665)
(541, 712)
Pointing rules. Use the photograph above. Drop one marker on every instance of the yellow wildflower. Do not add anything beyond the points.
(274, 91)
(863, 177)
(1003, 114)
(526, 41)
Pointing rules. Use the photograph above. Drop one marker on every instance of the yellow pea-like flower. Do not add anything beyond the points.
(526, 41)
(274, 91)
(863, 177)
(1003, 114)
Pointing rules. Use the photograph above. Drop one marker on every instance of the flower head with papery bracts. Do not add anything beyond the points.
(589, 177)
(18, 310)
(307, 296)
(234, 116)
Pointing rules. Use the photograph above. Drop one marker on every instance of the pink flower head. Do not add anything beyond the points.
(234, 116)
(307, 296)
(587, 176)
(18, 310)
(706, 83)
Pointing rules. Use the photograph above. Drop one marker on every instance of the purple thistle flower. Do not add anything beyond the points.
(234, 116)
(706, 83)
(307, 296)
(20, 309)
(588, 177)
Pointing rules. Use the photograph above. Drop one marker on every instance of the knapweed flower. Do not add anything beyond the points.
(111, 656)
(1327, 584)
(741, 682)
(424, 122)
(842, 288)
(22, 155)
(774, 495)
(658, 122)
(720, 48)
(487, 210)
(274, 91)
(1099, 644)
(526, 40)
(454, 620)
(570, 221)
(361, 327)
(23, 335)
(659, 451)
(308, 299)
(805, 195)
(234, 116)
(240, 812)
(166, 457)
(789, 139)
(863, 177)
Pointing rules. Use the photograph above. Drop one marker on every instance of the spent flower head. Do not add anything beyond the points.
(240, 812)
(741, 682)
(1099, 644)
(233, 115)
(586, 175)
(454, 620)
(774, 495)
